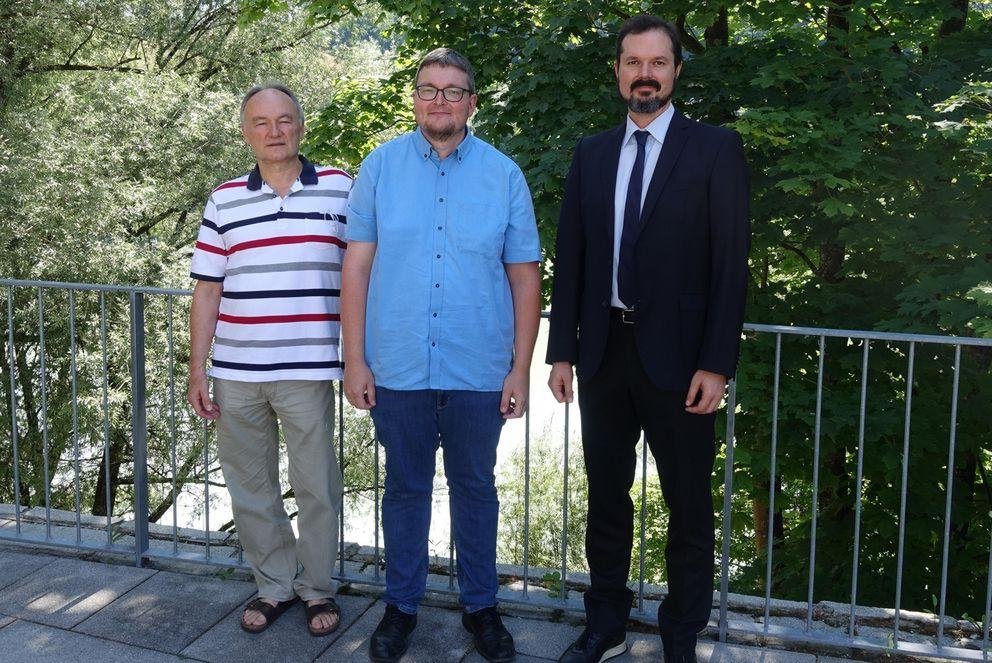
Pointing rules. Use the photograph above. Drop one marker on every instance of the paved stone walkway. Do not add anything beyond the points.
(65, 609)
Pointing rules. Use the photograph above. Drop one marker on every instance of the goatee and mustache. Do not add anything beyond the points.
(646, 105)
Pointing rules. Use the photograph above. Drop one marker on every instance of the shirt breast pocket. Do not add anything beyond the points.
(478, 228)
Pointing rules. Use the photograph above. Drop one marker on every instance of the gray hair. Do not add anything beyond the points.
(447, 57)
(271, 85)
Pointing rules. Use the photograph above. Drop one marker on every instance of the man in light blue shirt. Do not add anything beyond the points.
(440, 304)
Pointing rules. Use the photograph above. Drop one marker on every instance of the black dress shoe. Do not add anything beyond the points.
(493, 642)
(593, 647)
(392, 636)
(681, 649)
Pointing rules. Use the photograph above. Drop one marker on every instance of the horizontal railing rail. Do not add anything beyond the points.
(83, 397)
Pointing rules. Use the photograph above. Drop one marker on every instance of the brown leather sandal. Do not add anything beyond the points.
(269, 611)
(331, 608)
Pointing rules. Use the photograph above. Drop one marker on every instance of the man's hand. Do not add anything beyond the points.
(198, 395)
(359, 385)
(560, 381)
(705, 392)
(516, 387)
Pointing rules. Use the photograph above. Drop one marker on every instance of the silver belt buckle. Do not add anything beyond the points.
(624, 313)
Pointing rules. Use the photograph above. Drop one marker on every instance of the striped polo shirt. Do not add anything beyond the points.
(280, 262)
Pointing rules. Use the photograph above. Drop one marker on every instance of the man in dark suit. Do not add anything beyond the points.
(648, 304)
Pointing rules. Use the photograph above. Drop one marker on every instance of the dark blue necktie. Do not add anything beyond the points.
(627, 269)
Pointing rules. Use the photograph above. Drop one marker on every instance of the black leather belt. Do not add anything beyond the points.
(627, 316)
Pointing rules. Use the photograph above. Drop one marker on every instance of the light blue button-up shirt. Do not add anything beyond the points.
(439, 313)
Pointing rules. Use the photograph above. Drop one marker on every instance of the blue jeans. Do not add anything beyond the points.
(410, 426)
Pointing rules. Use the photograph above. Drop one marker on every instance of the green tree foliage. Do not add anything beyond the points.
(117, 119)
(866, 125)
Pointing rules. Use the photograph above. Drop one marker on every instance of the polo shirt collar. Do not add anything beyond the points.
(424, 148)
(307, 176)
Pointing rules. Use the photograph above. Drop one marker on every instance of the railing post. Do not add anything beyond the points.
(139, 427)
(728, 494)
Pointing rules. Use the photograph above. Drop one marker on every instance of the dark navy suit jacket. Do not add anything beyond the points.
(691, 255)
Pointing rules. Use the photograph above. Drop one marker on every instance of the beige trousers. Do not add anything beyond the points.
(248, 448)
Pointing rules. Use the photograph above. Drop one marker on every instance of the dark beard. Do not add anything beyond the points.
(439, 136)
(647, 106)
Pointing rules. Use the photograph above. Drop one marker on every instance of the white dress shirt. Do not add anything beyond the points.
(628, 153)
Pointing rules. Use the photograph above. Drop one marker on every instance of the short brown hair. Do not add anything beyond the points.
(640, 23)
(447, 57)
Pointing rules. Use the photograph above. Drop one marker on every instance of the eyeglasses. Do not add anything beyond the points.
(429, 93)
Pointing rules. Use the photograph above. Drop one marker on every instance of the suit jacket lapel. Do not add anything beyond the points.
(670, 150)
(609, 163)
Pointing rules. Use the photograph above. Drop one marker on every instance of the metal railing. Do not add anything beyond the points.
(103, 407)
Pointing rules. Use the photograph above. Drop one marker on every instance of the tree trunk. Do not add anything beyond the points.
(718, 34)
(116, 451)
(955, 23)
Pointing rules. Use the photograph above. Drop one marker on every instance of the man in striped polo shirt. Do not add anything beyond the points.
(267, 265)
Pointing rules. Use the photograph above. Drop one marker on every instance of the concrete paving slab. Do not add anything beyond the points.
(438, 638)
(286, 640)
(541, 639)
(67, 591)
(24, 642)
(15, 565)
(832, 659)
(5, 620)
(168, 611)
(715, 652)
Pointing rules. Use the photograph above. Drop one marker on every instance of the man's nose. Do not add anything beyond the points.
(645, 71)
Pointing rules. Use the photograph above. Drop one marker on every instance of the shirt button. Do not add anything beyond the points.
(442, 173)
(433, 344)
(441, 200)
(439, 256)
(439, 227)
(435, 315)
(437, 285)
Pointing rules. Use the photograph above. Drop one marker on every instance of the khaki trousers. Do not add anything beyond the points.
(248, 448)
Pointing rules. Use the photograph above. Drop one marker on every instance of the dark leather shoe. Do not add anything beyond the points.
(493, 642)
(593, 647)
(680, 649)
(392, 636)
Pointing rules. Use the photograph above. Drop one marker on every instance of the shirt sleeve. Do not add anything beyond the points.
(210, 252)
(361, 202)
(521, 242)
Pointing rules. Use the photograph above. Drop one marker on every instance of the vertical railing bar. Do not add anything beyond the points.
(728, 489)
(375, 491)
(139, 424)
(451, 549)
(206, 488)
(816, 481)
(42, 352)
(13, 409)
(172, 426)
(75, 415)
(988, 606)
(771, 488)
(105, 386)
(950, 492)
(904, 490)
(564, 510)
(858, 487)
(643, 519)
(526, 502)
(341, 471)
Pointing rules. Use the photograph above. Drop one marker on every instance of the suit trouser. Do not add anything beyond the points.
(617, 403)
(248, 448)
